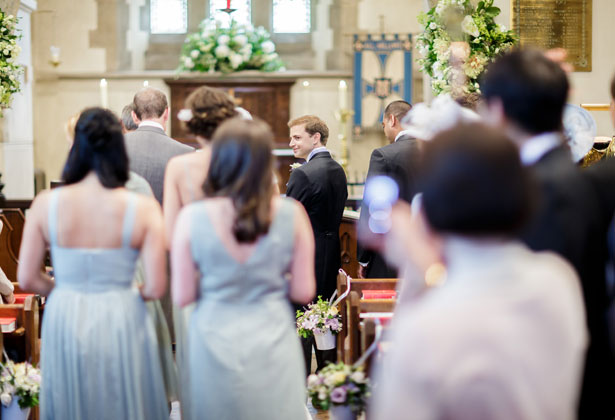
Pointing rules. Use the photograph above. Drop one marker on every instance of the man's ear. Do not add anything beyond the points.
(316, 137)
(135, 119)
(165, 114)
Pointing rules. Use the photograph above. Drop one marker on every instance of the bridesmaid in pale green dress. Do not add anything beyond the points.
(255, 254)
(99, 351)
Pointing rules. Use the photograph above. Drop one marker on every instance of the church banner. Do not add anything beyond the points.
(382, 74)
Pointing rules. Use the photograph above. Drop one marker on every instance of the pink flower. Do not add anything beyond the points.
(338, 395)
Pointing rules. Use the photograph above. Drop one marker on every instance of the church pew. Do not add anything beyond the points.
(357, 306)
(8, 260)
(41, 303)
(17, 219)
(357, 285)
(25, 336)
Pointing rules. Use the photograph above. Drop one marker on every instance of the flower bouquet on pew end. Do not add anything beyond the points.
(19, 389)
(322, 320)
(341, 389)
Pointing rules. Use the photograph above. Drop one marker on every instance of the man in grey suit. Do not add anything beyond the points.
(149, 148)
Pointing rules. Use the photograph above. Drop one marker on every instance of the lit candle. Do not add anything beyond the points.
(55, 54)
(343, 94)
(104, 94)
(145, 83)
(306, 96)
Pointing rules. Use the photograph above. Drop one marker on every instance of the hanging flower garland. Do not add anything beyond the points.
(238, 47)
(9, 50)
(453, 22)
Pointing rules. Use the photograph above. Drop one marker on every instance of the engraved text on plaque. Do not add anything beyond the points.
(557, 23)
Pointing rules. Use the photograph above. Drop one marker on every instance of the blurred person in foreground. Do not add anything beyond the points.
(524, 93)
(503, 336)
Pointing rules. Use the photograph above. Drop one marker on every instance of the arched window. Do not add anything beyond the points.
(168, 16)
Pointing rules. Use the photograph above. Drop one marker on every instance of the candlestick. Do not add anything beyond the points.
(343, 94)
(104, 94)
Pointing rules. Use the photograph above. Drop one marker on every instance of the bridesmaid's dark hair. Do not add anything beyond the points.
(242, 169)
(99, 147)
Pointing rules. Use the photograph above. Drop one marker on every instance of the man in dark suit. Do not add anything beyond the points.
(148, 147)
(525, 94)
(320, 185)
(398, 160)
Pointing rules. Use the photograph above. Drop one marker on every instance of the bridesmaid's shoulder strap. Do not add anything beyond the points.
(53, 216)
(129, 220)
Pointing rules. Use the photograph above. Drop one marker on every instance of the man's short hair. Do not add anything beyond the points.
(313, 125)
(533, 89)
(150, 102)
(613, 87)
(127, 121)
(398, 109)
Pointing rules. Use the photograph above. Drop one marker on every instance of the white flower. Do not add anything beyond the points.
(184, 115)
(268, 47)
(223, 39)
(6, 399)
(271, 57)
(6, 51)
(194, 53)
(222, 51)
(322, 395)
(240, 40)
(502, 27)
(469, 26)
(236, 60)
(438, 71)
(188, 62)
(312, 381)
(206, 47)
(358, 377)
(433, 26)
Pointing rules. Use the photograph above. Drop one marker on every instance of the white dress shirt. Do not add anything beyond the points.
(536, 147)
(503, 338)
(404, 133)
(148, 123)
(314, 151)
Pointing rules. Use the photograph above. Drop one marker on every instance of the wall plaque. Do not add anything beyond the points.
(556, 24)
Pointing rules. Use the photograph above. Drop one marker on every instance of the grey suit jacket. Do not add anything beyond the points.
(149, 149)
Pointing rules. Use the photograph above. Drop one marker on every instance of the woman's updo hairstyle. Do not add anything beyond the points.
(242, 169)
(209, 107)
(99, 147)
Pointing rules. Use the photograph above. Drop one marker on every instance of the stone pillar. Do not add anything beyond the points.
(17, 127)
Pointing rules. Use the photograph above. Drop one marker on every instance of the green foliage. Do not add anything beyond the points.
(236, 48)
(9, 50)
(19, 380)
(458, 20)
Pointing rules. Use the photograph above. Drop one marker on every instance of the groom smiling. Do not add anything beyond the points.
(320, 186)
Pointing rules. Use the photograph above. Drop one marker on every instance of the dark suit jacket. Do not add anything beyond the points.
(320, 185)
(149, 149)
(400, 161)
(570, 220)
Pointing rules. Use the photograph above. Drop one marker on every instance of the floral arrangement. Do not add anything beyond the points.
(339, 384)
(9, 50)
(20, 380)
(238, 47)
(318, 317)
(295, 165)
(461, 20)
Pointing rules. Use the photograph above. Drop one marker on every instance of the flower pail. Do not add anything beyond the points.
(14, 412)
(324, 341)
(341, 412)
